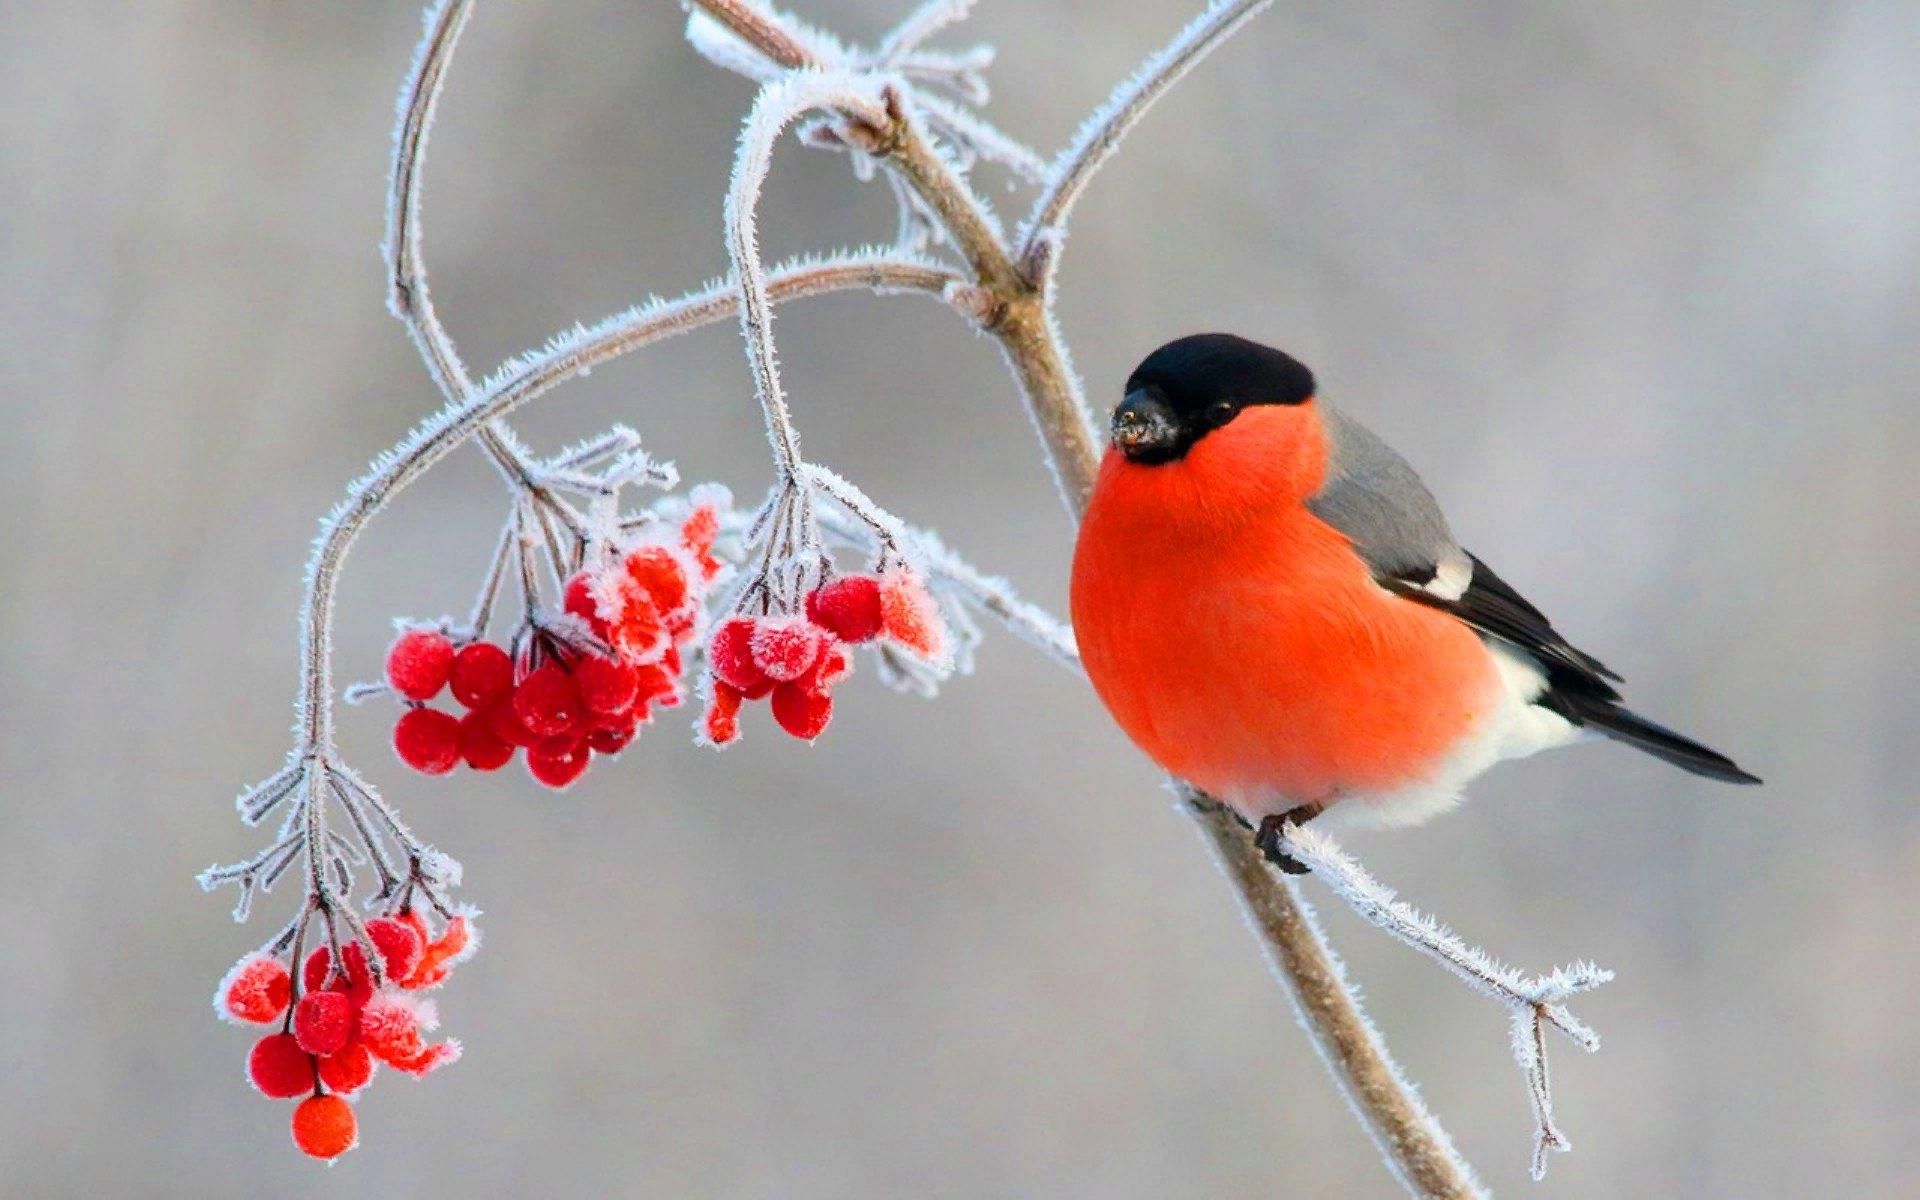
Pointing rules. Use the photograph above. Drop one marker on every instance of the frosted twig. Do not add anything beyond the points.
(859, 98)
(1100, 135)
(1534, 1001)
(920, 24)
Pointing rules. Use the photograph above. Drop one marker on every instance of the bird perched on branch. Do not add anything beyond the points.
(1272, 606)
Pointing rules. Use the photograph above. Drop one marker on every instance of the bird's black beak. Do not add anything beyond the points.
(1144, 428)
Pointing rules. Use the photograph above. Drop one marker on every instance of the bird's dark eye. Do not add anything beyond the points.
(1220, 412)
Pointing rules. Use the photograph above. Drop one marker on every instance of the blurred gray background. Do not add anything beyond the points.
(1634, 284)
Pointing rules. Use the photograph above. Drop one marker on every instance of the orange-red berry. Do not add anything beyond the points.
(399, 943)
(908, 614)
(279, 1068)
(256, 989)
(427, 740)
(419, 662)
(348, 1069)
(721, 724)
(324, 1126)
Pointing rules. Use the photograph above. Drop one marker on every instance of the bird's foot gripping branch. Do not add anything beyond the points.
(624, 611)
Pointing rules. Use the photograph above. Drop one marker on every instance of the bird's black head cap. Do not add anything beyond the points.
(1193, 385)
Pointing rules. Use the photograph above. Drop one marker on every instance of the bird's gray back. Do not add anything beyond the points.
(1373, 497)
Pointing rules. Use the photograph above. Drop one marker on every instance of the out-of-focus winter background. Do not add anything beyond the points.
(1634, 285)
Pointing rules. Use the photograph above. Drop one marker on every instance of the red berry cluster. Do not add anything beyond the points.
(345, 1021)
(562, 699)
(794, 661)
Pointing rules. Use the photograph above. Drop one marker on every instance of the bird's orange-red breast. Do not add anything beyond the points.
(1239, 640)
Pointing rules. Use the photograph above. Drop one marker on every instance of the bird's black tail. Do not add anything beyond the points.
(1635, 730)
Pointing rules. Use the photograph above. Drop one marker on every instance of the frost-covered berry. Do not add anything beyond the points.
(323, 1022)
(419, 662)
(278, 1068)
(731, 654)
(833, 667)
(632, 622)
(577, 598)
(656, 685)
(324, 1126)
(482, 674)
(399, 943)
(662, 574)
(785, 647)
(699, 533)
(257, 989)
(908, 615)
(348, 1069)
(606, 686)
(849, 607)
(548, 702)
(318, 974)
(720, 725)
(427, 740)
(455, 943)
(481, 746)
(802, 712)
(558, 762)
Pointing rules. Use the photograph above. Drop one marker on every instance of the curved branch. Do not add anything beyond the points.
(518, 382)
(779, 104)
(408, 297)
(1101, 134)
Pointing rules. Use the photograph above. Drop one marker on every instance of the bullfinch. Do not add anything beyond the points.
(1270, 603)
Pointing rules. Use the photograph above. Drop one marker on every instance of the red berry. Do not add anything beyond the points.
(657, 685)
(318, 973)
(606, 686)
(908, 614)
(579, 601)
(548, 702)
(731, 653)
(427, 740)
(802, 712)
(833, 667)
(481, 746)
(615, 733)
(721, 724)
(279, 1068)
(505, 724)
(256, 989)
(637, 629)
(849, 607)
(784, 647)
(558, 762)
(325, 1127)
(348, 1069)
(482, 674)
(323, 1022)
(418, 663)
(399, 944)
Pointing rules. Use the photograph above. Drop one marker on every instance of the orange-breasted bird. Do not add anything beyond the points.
(1270, 602)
